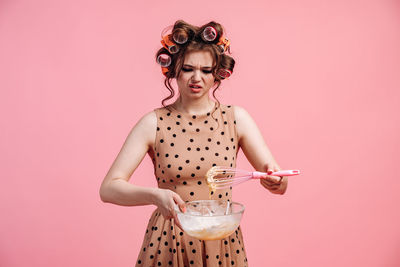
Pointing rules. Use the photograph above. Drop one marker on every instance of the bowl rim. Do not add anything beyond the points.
(242, 208)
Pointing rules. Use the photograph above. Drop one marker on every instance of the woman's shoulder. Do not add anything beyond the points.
(240, 112)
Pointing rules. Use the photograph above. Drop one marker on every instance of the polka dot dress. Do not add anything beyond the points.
(186, 147)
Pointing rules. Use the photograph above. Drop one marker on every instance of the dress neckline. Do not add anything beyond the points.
(194, 116)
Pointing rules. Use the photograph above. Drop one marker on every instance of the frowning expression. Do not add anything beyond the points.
(196, 77)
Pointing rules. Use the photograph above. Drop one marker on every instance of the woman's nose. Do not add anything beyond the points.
(196, 75)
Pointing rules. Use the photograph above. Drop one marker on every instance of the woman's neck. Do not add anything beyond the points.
(194, 107)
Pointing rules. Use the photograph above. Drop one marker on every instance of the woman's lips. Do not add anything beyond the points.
(195, 88)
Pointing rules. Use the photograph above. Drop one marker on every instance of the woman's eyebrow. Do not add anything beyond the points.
(205, 67)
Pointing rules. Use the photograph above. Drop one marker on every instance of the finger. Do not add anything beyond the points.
(176, 220)
(178, 200)
(273, 179)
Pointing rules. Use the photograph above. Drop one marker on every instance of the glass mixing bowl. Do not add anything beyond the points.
(210, 219)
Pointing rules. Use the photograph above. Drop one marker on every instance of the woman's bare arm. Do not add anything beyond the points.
(255, 149)
(115, 187)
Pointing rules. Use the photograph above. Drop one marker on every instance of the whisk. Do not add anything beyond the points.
(219, 177)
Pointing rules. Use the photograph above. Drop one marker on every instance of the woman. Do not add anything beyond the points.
(184, 140)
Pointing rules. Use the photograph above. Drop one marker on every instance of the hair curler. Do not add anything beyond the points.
(224, 73)
(180, 36)
(168, 44)
(164, 60)
(209, 34)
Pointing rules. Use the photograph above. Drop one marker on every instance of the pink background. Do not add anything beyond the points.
(321, 79)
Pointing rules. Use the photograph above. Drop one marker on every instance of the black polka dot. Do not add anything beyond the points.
(222, 133)
(218, 142)
(161, 118)
(190, 243)
(237, 251)
(166, 155)
(198, 149)
(191, 262)
(206, 122)
(161, 140)
(192, 175)
(193, 251)
(194, 116)
(180, 168)
(179, 116)
(191, 193)
(166, 243)
(220, 196)
(190, 123)
(174, 135)
(191, 140)
(217, 256)
(151, 256)
(158, 128)
(172, 144)
(181, 233)
(207, 148)
(184, 182)
(226, 242)
(197, 130)
(183, 130)
(211, 128)
(199, 182)
(170, 262)
(169, 113)
(176, 156)
(226, 255)
(159, 263)
(225, 122)
(177, 123)
(169, 165)
(216, 154)
(139, 262)
(202, 159)
(189, 149)
(187, 161)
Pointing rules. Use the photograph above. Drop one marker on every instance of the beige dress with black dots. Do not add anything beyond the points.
(186, 147)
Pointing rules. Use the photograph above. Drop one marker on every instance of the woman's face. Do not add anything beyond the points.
(196, 79)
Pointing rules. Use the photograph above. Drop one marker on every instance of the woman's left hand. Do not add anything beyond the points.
(275, 184)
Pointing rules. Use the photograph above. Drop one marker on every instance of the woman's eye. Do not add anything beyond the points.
(204, 71)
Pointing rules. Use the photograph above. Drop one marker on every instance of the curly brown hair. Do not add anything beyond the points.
(194, 42)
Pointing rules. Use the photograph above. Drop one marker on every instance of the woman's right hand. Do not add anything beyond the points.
(165, 201)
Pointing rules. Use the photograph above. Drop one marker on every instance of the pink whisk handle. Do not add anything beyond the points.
(260, 175)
